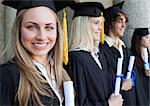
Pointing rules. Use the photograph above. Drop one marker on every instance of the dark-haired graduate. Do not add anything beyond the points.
(140, 40)
(87, 66)
(114, 48)
(35, 75)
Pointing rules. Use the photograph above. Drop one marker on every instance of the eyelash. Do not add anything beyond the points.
(146, 37)
(49, 27)
(35, 27)
(96, 23)
(30, 27)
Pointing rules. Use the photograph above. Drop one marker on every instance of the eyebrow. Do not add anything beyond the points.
(37, 24)
(95, 20)
(120, 18)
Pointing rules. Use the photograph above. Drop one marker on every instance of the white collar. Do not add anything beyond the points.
(111, 41)
(78, 49)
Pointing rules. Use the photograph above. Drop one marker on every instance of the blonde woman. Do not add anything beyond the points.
(87, 66)
(35, 75)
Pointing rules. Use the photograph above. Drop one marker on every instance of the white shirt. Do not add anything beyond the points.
(95, 56)
(51, 82)
(111, 43)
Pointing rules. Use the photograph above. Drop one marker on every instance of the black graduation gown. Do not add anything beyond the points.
(93, 86)
(112, 55)
(9, 82)
(143, 92)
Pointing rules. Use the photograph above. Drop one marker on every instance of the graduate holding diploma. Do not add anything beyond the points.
(139, 45)
(87, 65)
(34, 76)
(115, 24)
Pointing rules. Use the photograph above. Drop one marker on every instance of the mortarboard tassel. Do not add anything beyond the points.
(102, 36)
(64, 28)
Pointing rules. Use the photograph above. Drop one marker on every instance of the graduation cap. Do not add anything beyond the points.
(93, 9)
(141, 31)
(110, 11)
(55, 5)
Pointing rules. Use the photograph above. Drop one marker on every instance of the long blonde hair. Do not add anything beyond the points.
(31, 82)
(81, 34)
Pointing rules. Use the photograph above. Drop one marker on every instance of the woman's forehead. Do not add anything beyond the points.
(39, 14)
(96, 18)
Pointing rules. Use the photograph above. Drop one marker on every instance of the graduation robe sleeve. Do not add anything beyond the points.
(9, 81)
(77, 74)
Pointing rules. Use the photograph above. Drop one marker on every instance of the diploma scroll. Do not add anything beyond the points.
(118, 78)
(130, 67)
(146, 64)
(69, 93)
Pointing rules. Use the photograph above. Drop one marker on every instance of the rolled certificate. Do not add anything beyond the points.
(118, 79)
(130, 66)
(146, 64)
(69, 93)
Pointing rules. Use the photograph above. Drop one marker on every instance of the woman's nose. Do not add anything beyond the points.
(42, 32)
(41, 35)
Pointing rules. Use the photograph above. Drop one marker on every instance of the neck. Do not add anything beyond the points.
(115, 38)
(41, 59)
(142, 53)
(96, 44)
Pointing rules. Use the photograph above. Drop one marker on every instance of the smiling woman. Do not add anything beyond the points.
(35, 75)
(87, 65)
(39, 31)
(95, 23)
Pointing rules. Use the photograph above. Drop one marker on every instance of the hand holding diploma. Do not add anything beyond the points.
(126, 84)
(69, 93)
(118, 78)
(115, 100)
